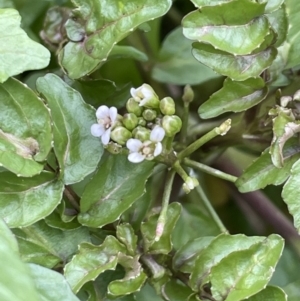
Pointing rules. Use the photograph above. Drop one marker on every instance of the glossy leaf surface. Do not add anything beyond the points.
(291, 192)
(270, 293)
(77, 151)
(237, 67)
(234, 96)
(26, 200)
(262, 171)
(91, 261)
(96, 30)
(113, 189)
(18, 52)
(51, 285)
(25, 129)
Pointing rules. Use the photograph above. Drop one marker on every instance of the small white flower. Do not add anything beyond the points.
(106, 118)
(145, 96)
(139, 151)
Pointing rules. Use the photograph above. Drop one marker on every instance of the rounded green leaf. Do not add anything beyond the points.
(177, 65)
(25, 129)
(126, 235)
(225, 26)
(51, 285)
(219, 248)
(270, 293)
(47, 246)
(91, 43)
(18, 52)
(116, 185)
(77, 151)
(244, 273)
(23, 201)
(234, 97)
(291, 192)
(91, 261)
(237, 67)
(263, 172)
(15, 281)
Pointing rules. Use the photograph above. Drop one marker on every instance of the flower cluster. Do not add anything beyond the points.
(142, 129)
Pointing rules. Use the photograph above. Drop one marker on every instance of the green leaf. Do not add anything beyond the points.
(148, 229)
(290, 194)
(133, 279)
(95, 30)
(293, 37)
(292, 289)
(50, 285)
(225, 26)
(91, 261)
(18, 52)
(234, 97)
(270, 293)
(63, 218)
(127, 52)
(237, 67)
(125, 234)
(177, 291)
(273, 5)
(24, 201)
(263, 172)
(47, 246)
(116, 185)
(201, 3)
(15, 282)
(219, 248)
(185, 257)
(244, 273)
(25, 129)
(101, 92)
(77, 151)
(177, 65)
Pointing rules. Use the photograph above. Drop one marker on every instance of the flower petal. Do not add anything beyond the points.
(113, 113)
(157, 134)
(97, 130)
(147, 91)
(106, 137)
(134, 93)
(136, 157)
(134, 145)
(102, 112)
(158, 149)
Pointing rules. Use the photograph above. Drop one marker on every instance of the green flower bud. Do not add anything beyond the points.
(141, 133)
(120, 135)
(133, 106)
(149, 114)
(171, 125)
(130, 121)
(145, 96)
(114, 148)
(188, 94)
(142, 121)
(167, 106)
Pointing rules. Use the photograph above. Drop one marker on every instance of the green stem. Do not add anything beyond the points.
(221, 130)
(211, 210)
(207, 169)
(178, 168)
(164, 207)
(185, 118)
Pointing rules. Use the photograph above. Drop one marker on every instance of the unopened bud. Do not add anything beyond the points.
(114, 148)
(133, 106)
(142, 121)
(188, 94)
(171, 124)
(145, 96)
(296, 96)
(149, 114)
(120, 135)
(167, 106)
(130, 121)
(141, 133)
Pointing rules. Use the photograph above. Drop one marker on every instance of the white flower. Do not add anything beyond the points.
(138, 150)
(145, 96)
(106, 118)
